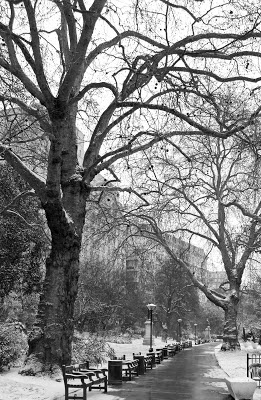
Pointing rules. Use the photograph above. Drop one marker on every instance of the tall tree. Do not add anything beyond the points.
(121, 69)
(175, 295)
(100, 297)
(212, 198)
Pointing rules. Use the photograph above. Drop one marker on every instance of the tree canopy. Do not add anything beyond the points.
(132, 76)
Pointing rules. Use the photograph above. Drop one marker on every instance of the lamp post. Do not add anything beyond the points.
(208, 331)
(195, 325)
(179, 322)
(150, 308)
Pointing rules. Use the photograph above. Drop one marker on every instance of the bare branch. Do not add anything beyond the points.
(40, 75)
(129, 149)
(215, 76)
(117, 189)
(43, 120)
(36, 182)
(110, 43)
(29, 225)
(95, 85)
(28, 83)
(182, 8)
(243, 210)
(78, 64)
(17, 198)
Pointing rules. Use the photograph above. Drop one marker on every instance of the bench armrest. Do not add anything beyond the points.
(98, 373)
(102, 370)
(84, 372)
(76, 376)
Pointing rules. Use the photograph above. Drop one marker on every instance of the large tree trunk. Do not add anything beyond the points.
(51, 338)
(50, 341)
(230, 333)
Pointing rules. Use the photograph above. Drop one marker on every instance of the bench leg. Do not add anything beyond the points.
(84, 395)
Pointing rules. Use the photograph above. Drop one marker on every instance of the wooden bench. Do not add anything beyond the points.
(144, 362)
(148, 362)
(179, 346)
(156, 356)
(186, 344)
(81, 376)
(100, 380)
(130, 368)
(172, 350)
(160, 353)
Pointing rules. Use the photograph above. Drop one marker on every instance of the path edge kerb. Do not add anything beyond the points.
(216, 350)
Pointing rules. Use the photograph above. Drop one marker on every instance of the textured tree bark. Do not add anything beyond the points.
(230, 333)
(50, 340)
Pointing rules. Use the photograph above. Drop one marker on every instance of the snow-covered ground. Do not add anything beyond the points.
(233, 363)
(16, 387)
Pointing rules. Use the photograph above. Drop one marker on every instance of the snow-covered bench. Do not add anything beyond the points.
(241, 388)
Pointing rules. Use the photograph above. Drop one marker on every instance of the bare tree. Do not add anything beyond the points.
(123, 72)
(175, 295)
(211, 199)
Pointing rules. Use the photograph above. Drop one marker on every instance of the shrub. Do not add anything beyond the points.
(91, 348)
(120, 339)
(13, 343)
(116, 336)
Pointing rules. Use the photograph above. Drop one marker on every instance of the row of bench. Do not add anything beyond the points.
(121, 369)
(81, 376)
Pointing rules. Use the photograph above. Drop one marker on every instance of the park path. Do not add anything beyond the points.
(193, 374)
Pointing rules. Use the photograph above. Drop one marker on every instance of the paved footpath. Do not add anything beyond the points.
(193, 374)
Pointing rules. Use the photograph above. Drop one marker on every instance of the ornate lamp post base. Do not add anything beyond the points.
(146, 339)
(150, 308)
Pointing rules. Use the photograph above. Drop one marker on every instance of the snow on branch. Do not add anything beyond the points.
(16, 199)
(117, 189)
(34, 180)
(243, 210)
(9, 211)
